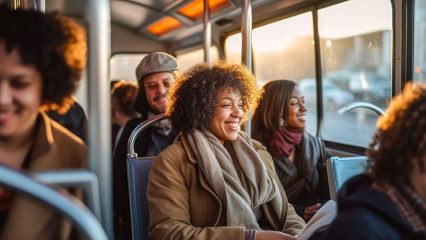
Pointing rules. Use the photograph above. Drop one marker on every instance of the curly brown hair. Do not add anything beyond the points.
(54, 44)
(123, 95)
(192, 99)
(400, 141)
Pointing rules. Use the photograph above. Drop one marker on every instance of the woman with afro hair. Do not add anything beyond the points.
(214, 182)
(42, 57)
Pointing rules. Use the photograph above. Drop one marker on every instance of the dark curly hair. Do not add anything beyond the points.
(400, 141)
(54, 44)
(124, 94)
(192, 99)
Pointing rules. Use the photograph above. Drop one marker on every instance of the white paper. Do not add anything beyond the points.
(325, 215)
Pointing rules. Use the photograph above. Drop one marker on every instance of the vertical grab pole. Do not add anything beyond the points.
(246, 28)
(207, 31)
(97, 14)
(38, 5)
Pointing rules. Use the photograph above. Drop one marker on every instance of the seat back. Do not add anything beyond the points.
(339, 170)
(138, 173)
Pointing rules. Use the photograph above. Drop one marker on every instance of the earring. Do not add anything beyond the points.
(282, 122)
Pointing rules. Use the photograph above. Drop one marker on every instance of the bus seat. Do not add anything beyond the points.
(339, 170)
(138, 173)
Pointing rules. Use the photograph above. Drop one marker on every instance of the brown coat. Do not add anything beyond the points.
(182, 205)
(54, 148)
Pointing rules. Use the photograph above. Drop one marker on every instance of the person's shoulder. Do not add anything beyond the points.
(358, 223)
(73, 150)
(64, 136)
(174, 152)
(130, 126)
(311, 138)
(133, 122)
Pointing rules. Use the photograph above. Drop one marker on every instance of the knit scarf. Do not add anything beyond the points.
(284, 140)
(239, 193)
(163, 127)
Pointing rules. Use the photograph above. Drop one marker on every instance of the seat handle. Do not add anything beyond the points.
(135, 133)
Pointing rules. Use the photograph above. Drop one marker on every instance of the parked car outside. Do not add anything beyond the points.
(333, 96)
(370, 87)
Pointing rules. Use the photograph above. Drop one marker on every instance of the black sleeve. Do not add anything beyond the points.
(324, 191)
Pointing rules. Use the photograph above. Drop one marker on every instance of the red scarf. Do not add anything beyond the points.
(284, 140)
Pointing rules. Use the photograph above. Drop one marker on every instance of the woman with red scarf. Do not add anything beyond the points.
(299, 158)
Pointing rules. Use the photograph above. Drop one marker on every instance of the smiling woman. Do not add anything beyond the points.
(215, 182)
(36, 73)
(279, 122)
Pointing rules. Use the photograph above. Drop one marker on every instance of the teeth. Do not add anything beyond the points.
(233, 125)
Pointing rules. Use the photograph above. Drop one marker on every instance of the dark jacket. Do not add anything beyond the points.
(304, 189)
(366, 213)
(74, 120)
(121, 203)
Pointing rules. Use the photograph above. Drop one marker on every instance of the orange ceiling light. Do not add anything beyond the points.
(195, 8)
(164, 25)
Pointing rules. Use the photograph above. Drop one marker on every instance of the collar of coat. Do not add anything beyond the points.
(255, 144)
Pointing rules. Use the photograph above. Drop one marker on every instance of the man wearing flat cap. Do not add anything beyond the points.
(156, 74)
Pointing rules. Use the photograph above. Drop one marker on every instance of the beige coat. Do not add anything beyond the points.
(182, 205)
(55, 148)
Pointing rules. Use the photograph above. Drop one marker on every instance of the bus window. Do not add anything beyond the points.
(285, 50)
(233, 48)
(282, 50)
(122, 66)
(356, 56)
(419, 73)
(188, 59)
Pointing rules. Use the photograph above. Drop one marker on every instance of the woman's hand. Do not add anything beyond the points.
(273, 235)
(310, 211)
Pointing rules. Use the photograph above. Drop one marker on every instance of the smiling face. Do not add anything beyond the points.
(228, 114)
(20, 94)
(296, 110)
(157, 86)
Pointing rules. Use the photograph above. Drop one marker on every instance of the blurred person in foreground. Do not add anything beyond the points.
(214, 182)
(389, 200)
(42, 57)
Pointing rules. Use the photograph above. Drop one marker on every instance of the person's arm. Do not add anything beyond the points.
(293, 222)
(168, 202)
(323, 155)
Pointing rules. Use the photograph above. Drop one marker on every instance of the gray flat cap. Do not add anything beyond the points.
(154, 63)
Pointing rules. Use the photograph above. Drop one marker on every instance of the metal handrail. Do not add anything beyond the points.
(353, 105)
(79, 215)
(97, 14)
(76, 178)
(142, 126)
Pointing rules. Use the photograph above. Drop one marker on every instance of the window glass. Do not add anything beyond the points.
(189, 59)
(123, 66)
(356, 57)
(282, 50)
(233, 48)
(419, 73)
